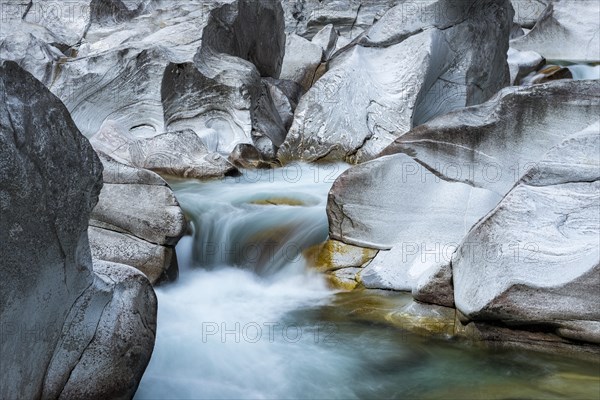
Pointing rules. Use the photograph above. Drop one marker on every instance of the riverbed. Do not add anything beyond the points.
(249, 319)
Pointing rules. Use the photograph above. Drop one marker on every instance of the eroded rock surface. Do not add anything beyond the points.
(419, 200)
(537, 254)
(566, 30)
(68, 321)
(401, 72)
(137, 221)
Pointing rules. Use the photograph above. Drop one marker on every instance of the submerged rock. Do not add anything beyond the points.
(64, 322)
(403, 71)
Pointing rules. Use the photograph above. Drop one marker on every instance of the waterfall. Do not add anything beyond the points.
(260, 221)
(248, 320)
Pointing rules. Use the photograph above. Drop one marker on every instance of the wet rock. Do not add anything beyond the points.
(522, 63)
(355, 110)
(343, 279)
(245, 155)
(469, 158)
(537, 253)
(333, 255)
(425, 319)
(547, 74)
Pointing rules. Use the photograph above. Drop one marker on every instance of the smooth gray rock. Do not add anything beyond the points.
(111, 64)
(398, 74)
(454, 169)
(434, 286)
(492, 145)
(522, 63)
(181, 154)
(30, 47)
(118, 173)
(48, 185)
(107, 339)
(137, 221)
(221, 96)
(70, 21)
(149, 212)
(156, 261)
(535, 259)
(327, 39)
(252, 30)
(247, 156)
(50, 179)
(285, 95)
(351, 17)
(567, 30)
(301, 60)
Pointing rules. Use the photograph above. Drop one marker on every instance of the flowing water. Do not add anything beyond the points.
(579, 71)
(249, 320)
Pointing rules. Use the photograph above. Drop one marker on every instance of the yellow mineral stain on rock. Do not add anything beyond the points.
(333, 255)
(336, 282)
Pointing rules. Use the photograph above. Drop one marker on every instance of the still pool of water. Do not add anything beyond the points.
(249, 320)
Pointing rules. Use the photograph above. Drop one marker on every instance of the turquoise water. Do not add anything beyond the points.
(249, 320)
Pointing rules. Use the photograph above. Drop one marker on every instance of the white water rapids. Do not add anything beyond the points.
(248, 320)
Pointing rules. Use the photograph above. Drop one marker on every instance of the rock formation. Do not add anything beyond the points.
(64, 319)
(419, 200)
(537, 254)
(400, 73)
(566, 30)
(137, 221)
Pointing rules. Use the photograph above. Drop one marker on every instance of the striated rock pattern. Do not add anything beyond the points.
(137, 221)
(113, 63)
(351, 17)
(535, 259)
(566, 30)
(419, 200)
(65, 319)
(401, 72)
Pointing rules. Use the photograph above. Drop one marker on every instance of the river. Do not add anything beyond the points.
(248, 319)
